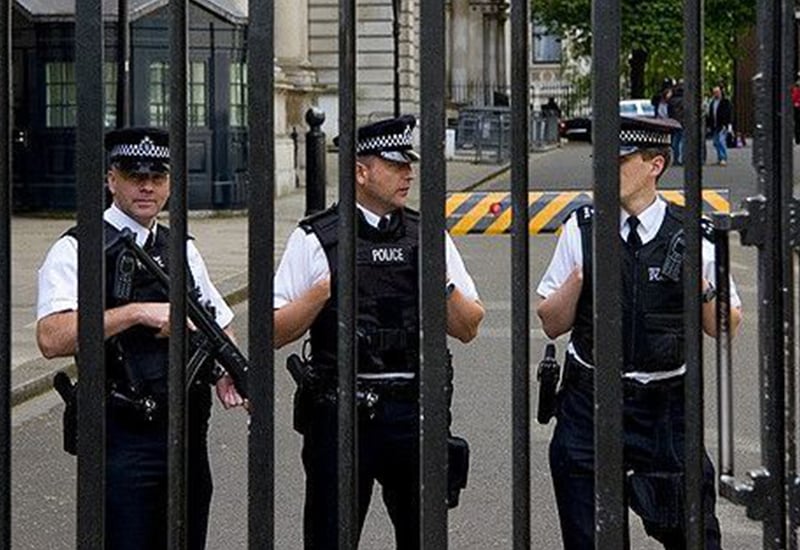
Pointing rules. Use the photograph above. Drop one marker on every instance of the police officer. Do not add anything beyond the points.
(387, 329)
(652, 248)
(136, 339)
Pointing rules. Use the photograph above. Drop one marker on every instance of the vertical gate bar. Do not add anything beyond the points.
(91, 270)
(261, 263)
(725, 462)
(771, 364)
(347, 284)
(693, 331)
(123, 64)
(610, 512)
(520, 275)
(177, 432)
(5, 274)
(433, 408)
(787, 59)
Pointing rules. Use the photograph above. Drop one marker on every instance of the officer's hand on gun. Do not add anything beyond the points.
(227, 394)
(155, 315)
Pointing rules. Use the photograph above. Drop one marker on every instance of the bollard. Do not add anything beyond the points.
(315, 161)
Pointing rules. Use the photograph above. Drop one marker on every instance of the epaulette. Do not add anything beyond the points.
(307, 223)
(410, 213)
(583, 214)
(707, 229)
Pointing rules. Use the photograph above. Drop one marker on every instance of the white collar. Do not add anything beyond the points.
(650, 220)
(372, 218)
(121, 220)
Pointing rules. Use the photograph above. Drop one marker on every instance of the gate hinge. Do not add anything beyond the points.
(750, 221)
(752, 494)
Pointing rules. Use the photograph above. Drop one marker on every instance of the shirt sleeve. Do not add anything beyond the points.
(58, 279)
(208, 292)
(567, 256)
(303, 264)
(457, 271)
(709, 272)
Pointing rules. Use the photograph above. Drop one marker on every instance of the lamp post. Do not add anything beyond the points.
(396, 43)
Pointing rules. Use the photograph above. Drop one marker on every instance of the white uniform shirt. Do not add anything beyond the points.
(569, 255)
(304, 263)
(58, 275)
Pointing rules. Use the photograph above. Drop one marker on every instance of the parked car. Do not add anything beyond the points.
(580, 128)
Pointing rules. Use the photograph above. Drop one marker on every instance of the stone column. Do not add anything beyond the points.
(459, 43)
(502, 78)
(291, 32)
(489, 57)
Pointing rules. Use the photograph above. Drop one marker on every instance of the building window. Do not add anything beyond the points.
(238, 95)
(60, 96)
(546, 46)
(196, 94)
(110, 87)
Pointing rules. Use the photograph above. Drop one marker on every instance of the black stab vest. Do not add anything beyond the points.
(652, 304)
(387, 323)
(135, 357)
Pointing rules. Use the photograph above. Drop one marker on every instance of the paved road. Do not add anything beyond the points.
(43, 477)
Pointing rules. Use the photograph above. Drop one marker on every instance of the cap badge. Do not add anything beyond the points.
(147, 147)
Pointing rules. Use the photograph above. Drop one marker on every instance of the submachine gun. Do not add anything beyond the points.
(208, 342)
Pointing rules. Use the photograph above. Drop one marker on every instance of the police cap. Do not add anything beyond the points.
(389, 139)
(638, 132)
(138, 150)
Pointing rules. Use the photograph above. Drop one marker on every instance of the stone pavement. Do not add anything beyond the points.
(221, 238)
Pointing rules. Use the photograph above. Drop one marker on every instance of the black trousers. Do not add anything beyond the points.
(136, 481)
(388, 453)
(654, 460)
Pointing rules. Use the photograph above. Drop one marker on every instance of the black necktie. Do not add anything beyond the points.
(383, 225)
(634, 241)
(150, 241)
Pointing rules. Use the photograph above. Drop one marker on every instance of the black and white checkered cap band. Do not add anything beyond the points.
(145, 148)
(389, 142)
(643, 138)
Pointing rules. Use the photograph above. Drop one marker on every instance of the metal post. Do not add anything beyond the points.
(433, 405)
(5, 274)
(261, 231)
(771, 174)
(347, 366)
(610, 511)
(520, 275)
(315, 162)
(177, 425)
(692, 273)
(91, 271)
(123, 65)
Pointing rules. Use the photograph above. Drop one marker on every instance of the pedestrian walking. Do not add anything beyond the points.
(652, 244)
(718, 120)
(675, 112)
(387, 329)
(137, 347)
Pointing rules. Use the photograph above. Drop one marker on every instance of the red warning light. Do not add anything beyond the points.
(496, 209)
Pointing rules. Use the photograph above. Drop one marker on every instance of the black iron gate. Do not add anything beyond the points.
(768, 221)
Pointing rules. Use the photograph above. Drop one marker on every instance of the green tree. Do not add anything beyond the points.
(652, 36)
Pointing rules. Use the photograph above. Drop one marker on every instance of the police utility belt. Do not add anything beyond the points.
(582, 378)
(321, 384)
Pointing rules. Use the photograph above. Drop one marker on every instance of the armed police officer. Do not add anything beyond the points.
(653, 336)
(137, 347)
(387, 330)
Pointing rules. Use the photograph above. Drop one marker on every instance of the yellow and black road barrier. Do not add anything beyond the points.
(489, 213)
